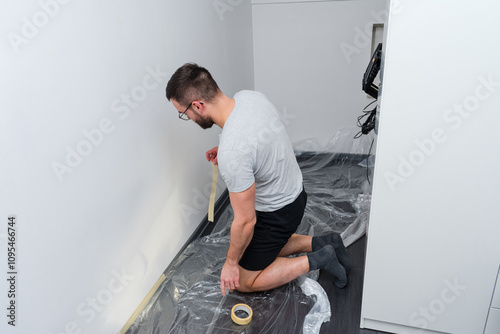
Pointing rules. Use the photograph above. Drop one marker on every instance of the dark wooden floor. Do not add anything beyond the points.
(345, 303)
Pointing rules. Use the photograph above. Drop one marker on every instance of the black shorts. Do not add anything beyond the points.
(271, 233)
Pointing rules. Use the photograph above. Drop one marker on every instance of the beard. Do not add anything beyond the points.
(204, 123)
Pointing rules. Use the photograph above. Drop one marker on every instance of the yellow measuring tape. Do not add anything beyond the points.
(241, 307)
(211, 202)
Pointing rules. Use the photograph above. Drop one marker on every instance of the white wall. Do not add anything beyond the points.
(93, 238)
(434, 237)
(310, 58)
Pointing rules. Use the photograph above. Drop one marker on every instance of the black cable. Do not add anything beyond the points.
(366, 113)
(364, 130)
(369, 104)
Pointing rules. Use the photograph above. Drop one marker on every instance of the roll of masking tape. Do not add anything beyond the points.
(211, 202)
(241, 307)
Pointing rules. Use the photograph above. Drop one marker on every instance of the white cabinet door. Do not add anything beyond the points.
(434, 237)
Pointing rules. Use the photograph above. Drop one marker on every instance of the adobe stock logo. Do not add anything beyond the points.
(31, 27)
(121, 107)
(221, 7)
(455, 116)
(363, 37)
(94, 306)
(425, 315)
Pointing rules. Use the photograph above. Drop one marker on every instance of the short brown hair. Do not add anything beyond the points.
(190, 83)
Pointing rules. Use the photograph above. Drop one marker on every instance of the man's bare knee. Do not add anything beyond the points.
(244, 289)
(247, 282)
(245, 286)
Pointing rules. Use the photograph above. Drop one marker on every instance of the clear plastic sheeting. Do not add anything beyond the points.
(320, 312)
(190, 301)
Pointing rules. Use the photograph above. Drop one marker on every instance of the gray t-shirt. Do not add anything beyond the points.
(254, 147)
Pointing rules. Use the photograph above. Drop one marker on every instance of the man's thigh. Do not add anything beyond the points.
(271, 233)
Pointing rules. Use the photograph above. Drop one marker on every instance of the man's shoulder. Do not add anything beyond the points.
(249, 94)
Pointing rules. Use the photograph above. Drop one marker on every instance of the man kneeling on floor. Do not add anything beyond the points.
(258, 165)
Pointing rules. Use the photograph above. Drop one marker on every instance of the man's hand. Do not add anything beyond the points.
(212, 155)
(229, 277)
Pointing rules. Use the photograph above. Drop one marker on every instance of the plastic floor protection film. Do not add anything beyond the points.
(189, 299)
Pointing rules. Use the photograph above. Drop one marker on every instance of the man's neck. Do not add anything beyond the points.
(222, 108)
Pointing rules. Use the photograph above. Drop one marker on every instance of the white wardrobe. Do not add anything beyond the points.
(433, 251)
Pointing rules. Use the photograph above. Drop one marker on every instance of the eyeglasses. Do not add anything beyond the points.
(183, 116)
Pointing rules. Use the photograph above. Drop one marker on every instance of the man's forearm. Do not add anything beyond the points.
(241, 234)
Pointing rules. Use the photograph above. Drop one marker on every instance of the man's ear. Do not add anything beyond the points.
(199, 106)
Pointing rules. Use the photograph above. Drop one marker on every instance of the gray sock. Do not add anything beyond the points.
(335, 240)
(325, 259)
